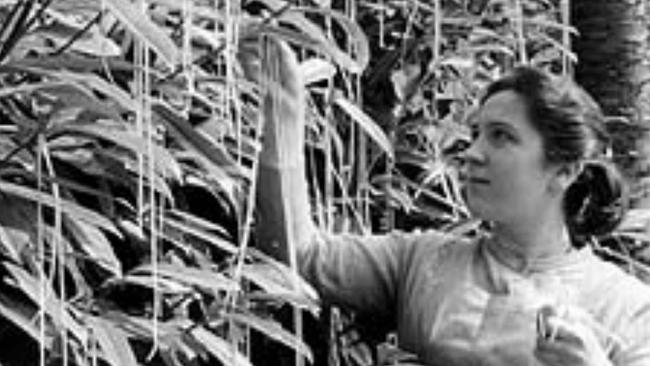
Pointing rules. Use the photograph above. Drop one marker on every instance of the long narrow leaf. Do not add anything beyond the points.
(17, 226)
(86, 83)
(124, 173)
(161, 285)
(276, 281)
(142, 328)
(138, 22)
(366, 123)
(316, 69)
(220, 348)
(83, 102)
(113, 342)
(98, 84)
(164, 162)
(67, 61)
(28, 87)
(59, 311)
(539, 21)
(203, 278)
(68, 207)
(195, 220)
(18, 313)
(212, 239)
(91, 42)
(212, 150)
(215, 178)
(273, 330)
(8, 243)
(356, 40)
(95, 244)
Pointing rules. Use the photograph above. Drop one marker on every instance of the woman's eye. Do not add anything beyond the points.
(500, 136)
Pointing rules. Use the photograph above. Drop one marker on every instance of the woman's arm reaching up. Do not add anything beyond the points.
(355, 271)
(284, 218)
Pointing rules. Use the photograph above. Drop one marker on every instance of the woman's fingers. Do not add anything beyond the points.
(561, 345)
(557, 353)
(566, 340)
(562, 330)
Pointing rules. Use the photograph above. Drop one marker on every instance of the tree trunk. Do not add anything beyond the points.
(614, 66)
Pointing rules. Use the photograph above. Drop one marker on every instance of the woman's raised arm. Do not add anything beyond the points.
(284, 218)
(360, 272)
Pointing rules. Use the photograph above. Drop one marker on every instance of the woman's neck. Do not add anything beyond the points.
(540, 239)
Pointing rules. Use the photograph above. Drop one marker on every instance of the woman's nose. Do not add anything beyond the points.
(474, 153)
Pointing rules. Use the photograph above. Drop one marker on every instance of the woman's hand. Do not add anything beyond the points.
(566, 340)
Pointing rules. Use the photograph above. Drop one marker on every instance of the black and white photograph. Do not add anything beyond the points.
(324, 183)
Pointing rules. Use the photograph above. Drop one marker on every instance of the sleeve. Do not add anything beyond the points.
(636, 331)
(357, 272)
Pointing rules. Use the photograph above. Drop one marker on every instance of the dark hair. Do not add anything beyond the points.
(572, 126)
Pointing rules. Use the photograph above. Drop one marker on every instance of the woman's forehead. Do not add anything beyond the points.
(506, 107)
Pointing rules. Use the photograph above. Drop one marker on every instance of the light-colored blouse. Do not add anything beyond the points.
(456, 303)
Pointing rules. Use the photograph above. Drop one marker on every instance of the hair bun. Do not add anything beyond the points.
(596, 202)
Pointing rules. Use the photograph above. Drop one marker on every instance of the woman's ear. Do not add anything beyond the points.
(565, 175)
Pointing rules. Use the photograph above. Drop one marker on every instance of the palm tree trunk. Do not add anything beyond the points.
(614, 66)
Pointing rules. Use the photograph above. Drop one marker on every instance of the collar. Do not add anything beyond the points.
(522, 264)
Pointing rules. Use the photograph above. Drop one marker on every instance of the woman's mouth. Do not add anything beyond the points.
(473, 179)
(477, 180)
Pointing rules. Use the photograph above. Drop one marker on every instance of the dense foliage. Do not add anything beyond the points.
(130, 134)
(125, 184)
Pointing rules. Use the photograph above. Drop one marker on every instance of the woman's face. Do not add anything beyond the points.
(506, 177)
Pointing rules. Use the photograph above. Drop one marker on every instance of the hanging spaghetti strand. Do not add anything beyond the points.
(232, 113)
(93, 346)
(42, 283)
(152, 205)
(231, 34)
(138, 91)
(58, 249)
(92, 342)
(328, 192)
(521, 36)
(146, 173)
(382, 24)
(232, 297)
(565, 9)
(187, 56)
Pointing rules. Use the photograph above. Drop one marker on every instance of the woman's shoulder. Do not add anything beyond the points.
(618, 290)
(439, 246)
(622, 304)
(612, 276)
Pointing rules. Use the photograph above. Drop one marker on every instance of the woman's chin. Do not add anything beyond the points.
(479, 208)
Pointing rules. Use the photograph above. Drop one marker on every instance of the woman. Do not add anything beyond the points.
(531, 292)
